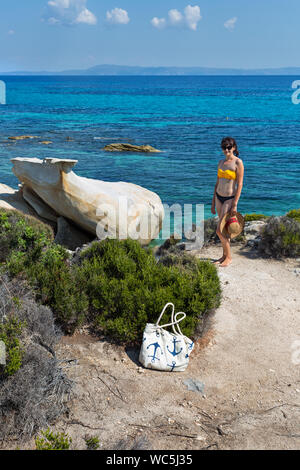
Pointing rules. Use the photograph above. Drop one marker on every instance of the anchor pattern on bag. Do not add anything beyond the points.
(156, 346)
(172, 366)
(190, 348)
(174, 352)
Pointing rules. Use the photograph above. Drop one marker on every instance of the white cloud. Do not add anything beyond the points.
(117, 16)
(190, 18)
(175, 17)
(69, 12)
(158, 23)
(230, 24)
(11, 32)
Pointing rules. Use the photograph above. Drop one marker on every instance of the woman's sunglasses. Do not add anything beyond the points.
(227, 147)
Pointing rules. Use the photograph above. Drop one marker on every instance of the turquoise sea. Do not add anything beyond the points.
(184, 116)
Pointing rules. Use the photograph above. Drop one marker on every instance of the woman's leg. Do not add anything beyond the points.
(219, 211)
(226, 206)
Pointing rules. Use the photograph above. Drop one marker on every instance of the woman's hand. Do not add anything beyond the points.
(233, 210)
(213, 209)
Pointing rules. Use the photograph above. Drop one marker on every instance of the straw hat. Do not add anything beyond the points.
(232, 226)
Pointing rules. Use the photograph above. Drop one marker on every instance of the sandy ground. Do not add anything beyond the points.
(248, 361)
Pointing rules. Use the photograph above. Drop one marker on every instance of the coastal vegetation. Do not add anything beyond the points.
(280, 237)
(252, 217)
(113, 287)
(53, 441)
(34, 390)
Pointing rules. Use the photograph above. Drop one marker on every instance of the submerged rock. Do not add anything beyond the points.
(118, 210)
(23, 137)
(118, 147)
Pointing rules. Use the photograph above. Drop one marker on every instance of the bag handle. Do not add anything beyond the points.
(174, 320)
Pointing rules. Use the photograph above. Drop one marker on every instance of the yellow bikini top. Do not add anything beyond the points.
(228, 174)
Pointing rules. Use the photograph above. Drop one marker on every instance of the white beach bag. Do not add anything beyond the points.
(163, 350)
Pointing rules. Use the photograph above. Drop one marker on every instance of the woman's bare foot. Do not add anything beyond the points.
(226, 262)
(220, 260)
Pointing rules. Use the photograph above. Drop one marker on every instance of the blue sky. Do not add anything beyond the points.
(64, 34)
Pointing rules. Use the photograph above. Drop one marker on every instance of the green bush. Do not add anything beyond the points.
(92, 442)
(127, 288)
(24, 235)
(280, 237)
(11, 333)
(117, 287)
(294, 214)
(56, 285)
(53, 441)
(252, 217)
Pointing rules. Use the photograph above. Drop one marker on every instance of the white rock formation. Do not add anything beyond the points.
(120, 210)
(12, 199)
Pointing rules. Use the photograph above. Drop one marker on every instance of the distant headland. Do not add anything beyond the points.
(168, 71)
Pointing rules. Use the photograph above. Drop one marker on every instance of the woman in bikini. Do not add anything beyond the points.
(227, 192)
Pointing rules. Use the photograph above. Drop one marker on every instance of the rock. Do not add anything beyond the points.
(253, 242)
(46, 142)
(115, 210)
(119, 147)
(194, 385)
(12, 199)
(253, 229)
(170, 242)
(69, 235)
(23, 137)
(42, 209)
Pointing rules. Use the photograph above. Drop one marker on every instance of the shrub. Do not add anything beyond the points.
(22, 234)
(294, 214)
(56, 284)
(253, 217)
(53, 441)
(280, 237)
(37, 391)
(10, 333)
(92, 443)
(127, 288)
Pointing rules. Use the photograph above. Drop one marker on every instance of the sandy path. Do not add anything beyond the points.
(251, 378)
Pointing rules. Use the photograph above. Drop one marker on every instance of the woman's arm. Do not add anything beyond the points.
(213, 204)
(240, 179)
